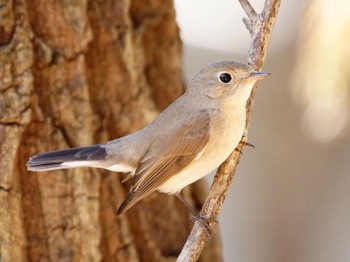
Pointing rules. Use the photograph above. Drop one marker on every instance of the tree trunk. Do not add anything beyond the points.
(76, 73)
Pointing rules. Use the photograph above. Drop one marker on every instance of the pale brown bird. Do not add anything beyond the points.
(187, 141)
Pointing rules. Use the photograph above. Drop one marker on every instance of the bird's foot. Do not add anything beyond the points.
(205, 223)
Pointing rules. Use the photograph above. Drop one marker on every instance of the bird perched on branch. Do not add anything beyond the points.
(187, 141)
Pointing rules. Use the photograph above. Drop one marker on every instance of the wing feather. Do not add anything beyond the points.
(185, 145)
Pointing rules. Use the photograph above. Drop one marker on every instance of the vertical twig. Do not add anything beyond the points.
(260, 27)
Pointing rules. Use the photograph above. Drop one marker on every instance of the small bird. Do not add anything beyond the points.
(187, 141)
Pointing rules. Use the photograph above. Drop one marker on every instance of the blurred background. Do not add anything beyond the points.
(290, 197)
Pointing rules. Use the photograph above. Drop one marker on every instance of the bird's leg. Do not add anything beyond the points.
(203, 220)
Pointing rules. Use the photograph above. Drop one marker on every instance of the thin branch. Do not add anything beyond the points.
(260, 27)
(253, 16)
(248, 24)
(249, 10)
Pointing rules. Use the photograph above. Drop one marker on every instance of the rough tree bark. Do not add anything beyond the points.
(75, 73)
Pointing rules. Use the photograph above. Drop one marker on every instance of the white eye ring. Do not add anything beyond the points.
(225, 77)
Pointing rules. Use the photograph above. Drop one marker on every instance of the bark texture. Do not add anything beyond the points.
(75, 73)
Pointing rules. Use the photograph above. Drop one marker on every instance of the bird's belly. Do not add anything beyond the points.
(216, 152)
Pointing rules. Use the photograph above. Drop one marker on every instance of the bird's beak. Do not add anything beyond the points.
(257, 75)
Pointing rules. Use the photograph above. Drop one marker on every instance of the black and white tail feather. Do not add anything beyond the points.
(67, 158)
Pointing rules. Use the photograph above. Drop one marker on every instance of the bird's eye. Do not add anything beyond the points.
(225, 78)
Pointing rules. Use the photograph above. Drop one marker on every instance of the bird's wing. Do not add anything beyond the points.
(183, 146)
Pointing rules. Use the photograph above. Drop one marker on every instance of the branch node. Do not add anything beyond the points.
(249, 10)
(248, 24)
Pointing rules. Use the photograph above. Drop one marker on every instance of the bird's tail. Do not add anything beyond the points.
(68, 158)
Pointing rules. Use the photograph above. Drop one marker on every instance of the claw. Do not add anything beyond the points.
(204, 222)
(247, 144)
(239, 151)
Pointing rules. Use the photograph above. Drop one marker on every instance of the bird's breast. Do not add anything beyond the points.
(225, 133)
(226, 130)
